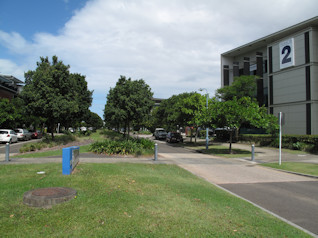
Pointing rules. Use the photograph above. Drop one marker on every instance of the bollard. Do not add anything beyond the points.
(253, 149)
(156, 152)
(7, 152)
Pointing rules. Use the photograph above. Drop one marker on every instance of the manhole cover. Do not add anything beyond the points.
(47, 197)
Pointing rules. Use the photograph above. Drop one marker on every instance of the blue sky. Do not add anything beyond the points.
(174, 45)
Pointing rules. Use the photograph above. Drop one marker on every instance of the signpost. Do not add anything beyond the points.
(70, 158)
(281, 122)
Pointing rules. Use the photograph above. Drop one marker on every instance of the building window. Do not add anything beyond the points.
(307, 52)
(264, 66)
(270, 59)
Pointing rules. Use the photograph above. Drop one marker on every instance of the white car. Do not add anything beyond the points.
(23, 134)
(8, 136)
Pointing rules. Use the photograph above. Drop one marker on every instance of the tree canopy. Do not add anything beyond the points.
(130, 101)
(243, 86)
(53, 93)
(8, 114)
(232, 114)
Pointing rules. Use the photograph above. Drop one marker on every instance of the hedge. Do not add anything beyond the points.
(308, 143)
(122, 147)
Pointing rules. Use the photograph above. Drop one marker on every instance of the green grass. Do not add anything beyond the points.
(299, 167)
(39, 154)
(129, 200)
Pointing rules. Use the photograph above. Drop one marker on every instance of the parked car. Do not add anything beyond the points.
(160, 133)
(23, 134)
(36, 134)
(8, 136)
(174, 137)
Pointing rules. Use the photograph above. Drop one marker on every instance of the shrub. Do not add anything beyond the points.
(308, 143)
(122, 147)
(47, 142)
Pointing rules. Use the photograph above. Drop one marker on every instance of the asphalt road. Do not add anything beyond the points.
(292, 197)
(15, 147)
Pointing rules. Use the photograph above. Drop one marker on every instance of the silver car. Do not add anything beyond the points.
(23, 134)
(8, 136)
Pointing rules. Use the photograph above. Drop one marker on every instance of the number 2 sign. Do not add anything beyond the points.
(286, 53)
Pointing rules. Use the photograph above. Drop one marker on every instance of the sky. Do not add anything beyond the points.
(173, 45)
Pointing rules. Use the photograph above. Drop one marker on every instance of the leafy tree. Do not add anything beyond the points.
(94, 120)
(243, 86)
(233, 113)
(127, 103)
(8, 114)
(55, 94)
(192, 108)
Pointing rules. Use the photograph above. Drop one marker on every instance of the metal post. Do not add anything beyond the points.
(280, 138)
(7, 152)
(253, 150)
(207, 139)
(156, 152)
(207, 129)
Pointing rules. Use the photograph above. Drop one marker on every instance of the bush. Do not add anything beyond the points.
(47, 142)
(308, 143)
(122, 147)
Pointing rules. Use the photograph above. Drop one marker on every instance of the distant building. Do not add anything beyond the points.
(286, 63)
(157, 101)
(10, 86)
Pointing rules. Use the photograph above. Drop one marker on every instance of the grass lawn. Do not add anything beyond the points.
(304, 168)
(39, 154)
(129, 200)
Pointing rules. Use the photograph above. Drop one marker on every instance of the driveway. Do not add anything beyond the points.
(291, 197)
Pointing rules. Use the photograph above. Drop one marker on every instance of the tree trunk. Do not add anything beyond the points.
(231, 136)
(191, 133)
(196, 135)
(128, 130)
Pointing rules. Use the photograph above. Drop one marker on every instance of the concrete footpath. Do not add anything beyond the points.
(279, 193)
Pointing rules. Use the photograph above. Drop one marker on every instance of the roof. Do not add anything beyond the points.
(9, 79)
(264, 41)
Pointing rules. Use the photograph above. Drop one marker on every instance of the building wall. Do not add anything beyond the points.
(289, 86)
(294, 116)
(292, 90)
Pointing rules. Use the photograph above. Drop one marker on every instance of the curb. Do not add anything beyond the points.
(291, 172)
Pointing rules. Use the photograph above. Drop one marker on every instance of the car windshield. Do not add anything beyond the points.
(3, 132)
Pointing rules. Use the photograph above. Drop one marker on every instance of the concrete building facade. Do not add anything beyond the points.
(286, 63)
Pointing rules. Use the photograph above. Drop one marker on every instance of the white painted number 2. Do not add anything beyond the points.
(286, 53)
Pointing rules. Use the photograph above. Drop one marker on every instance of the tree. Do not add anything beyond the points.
(53, 93)
(127, 103)
(233, 113)
(243, 86)
(8, 114)
(192, 108)
(94, 120)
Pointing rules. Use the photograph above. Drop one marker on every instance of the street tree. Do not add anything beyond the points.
(193, 107)
(94, 120)
(243, 86)
(53, 93)
(233, 113)
(8, 114)
(128, 103)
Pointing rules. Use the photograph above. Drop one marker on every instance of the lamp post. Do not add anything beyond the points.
(207, 129)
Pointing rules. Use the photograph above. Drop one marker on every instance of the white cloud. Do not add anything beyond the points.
(8, 67)
(174, 45)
